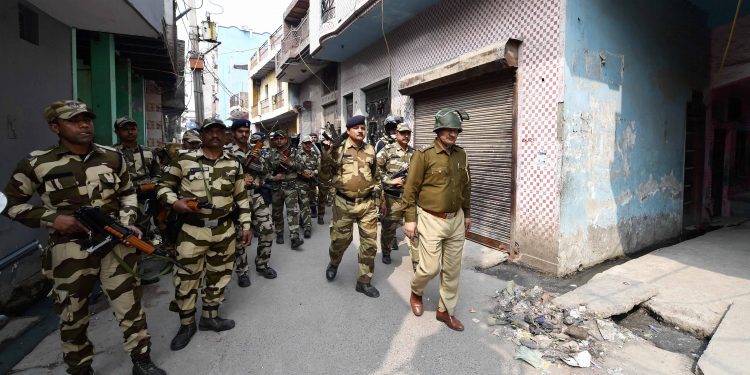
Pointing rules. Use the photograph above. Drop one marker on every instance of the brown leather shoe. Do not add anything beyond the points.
(451, 321)
(416, 304)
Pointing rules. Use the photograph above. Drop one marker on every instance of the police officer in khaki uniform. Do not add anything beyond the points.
(75, 173)
(206, 242)
(436, 196)
(352, 166)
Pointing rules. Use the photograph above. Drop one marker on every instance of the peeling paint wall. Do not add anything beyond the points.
(629, 72)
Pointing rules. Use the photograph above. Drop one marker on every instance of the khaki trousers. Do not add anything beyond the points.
(441, 246)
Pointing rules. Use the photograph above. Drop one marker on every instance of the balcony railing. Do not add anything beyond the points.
(327, 11)
(269, 47)
(264, 106)
(278, 100)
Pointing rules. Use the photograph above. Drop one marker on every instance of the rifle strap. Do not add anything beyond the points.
(167, 268)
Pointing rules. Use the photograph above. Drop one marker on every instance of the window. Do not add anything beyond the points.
(28, 24)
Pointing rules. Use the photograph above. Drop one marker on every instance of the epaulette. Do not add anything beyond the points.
(108, 148)
(424, 148)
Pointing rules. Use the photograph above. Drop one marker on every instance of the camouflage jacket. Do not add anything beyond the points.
(259, 175)
(143, 164)
(352, 170)
(383, 141)
(218, 182)
(273, 164)
(309, 163)
(392, 159)
(66, 182)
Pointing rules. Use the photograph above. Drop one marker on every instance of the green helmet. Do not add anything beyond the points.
(450, 118)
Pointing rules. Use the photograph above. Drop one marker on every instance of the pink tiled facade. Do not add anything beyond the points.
(455, 27)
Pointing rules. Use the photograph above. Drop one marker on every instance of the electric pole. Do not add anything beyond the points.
(196, 62)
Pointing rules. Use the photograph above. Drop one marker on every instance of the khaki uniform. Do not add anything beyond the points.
(206, 242)
(285, 193)
(308, 193)
(261, 215)
(392, 159)
(66, 182)
(438, 185)
(355, 176)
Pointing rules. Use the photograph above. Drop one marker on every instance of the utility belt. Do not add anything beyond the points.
(353, 200)
(205, 222)
(286, 184)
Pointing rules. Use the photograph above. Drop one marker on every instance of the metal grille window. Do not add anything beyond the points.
(488, 140)
(327, 10)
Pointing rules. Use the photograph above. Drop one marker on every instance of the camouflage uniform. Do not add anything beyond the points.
(285, 193)
(143, 167)
(261, 214)
(66, 182)
(307, 188)
(355, 176)
(392, 159)
(206, 241)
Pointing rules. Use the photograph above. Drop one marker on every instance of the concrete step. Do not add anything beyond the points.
(729, 345)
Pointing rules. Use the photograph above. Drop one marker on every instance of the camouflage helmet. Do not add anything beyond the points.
(391, 122)
(450, 118)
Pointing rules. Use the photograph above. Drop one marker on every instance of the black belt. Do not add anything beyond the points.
(352, 200)
(206, 223)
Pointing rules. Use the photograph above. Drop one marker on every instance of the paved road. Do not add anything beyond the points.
(300, 323)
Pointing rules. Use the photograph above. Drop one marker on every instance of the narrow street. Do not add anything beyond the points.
(301, 323)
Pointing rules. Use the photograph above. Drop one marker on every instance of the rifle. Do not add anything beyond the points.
(197, 205)
(253, 163)
(401, 173)
(145, 188)
(112, 231)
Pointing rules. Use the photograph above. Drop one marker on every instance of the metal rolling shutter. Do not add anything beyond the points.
(488, 140)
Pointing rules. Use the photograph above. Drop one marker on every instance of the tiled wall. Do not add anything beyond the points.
(455, 27)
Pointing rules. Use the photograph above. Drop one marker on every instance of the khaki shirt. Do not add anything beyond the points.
(143, 164)
(353, 170)
(66, 182)
(193, 175)
(437, 182)
(391, 159)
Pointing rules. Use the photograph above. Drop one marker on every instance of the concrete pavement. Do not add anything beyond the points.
(301, 323)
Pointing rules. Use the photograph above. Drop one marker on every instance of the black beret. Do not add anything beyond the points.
(240, 123)
(354, 121)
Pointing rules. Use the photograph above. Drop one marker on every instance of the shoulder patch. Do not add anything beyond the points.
(424, 148)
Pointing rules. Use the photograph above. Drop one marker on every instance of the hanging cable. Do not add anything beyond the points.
(731, 35)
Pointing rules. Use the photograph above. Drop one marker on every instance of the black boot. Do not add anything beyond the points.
(331, 272)
(296, 242)
(320, 220)
(394, 247)
(183, 336)
(386, 258)
(314, 212)
(367, 290)
(215, 324)
(142, 365)
(267, 272)
(279, 238)
(243, 281)
(307, 233)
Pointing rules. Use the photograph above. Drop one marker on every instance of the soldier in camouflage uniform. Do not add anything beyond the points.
(352, 167)
(282, 166)
(324, 187)
(254, 174)
(308, 162)
(392, 160)
(389, 134)
(205, 244)
(75, 173)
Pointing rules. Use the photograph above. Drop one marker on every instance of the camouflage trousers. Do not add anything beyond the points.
(390, 222)
(287, 195)
(307, 195)
(73, 272)
(324, 197)
(263, 226)
(209, 254)
(345, 215)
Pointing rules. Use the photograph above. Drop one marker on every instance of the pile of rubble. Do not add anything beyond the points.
(546, 333)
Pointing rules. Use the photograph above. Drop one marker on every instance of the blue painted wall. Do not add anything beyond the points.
(630, 69)
(237, 46)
